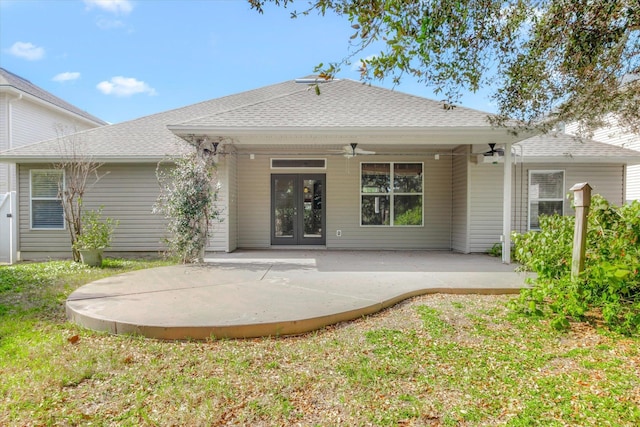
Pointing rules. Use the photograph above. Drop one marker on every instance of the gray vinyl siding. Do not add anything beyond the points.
(459, 198)
(606, 180)
(485, 195)
(345, 215)
(127, 193)
(343, 205)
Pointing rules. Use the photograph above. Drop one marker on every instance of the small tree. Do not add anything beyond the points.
(81, 173)
(187, 200)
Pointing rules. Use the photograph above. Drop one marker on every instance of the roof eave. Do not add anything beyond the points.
(628, 160)
(46, 104)
(506, 134)
(97, 159)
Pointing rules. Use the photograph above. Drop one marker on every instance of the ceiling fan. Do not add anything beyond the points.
(352, 150)
(494, 152)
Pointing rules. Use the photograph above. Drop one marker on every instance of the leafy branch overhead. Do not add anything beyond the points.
(545, 61)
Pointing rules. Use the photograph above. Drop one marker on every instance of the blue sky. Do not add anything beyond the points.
(121, 59)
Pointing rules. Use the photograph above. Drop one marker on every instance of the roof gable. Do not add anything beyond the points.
(341, 103)
(10, 80)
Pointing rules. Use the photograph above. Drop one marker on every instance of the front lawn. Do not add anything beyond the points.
(433, 360)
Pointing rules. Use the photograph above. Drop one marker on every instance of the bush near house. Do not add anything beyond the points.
(608, 288)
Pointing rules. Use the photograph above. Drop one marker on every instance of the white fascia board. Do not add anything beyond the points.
(628, 160)
(500, 135)
(49, 159)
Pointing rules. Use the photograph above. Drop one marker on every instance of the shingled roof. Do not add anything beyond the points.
(146, 138)
(10, 80)
(560, 147)
(343, 106)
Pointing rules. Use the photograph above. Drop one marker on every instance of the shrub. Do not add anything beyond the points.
(95, 233)
(187, 197)
(609, 284)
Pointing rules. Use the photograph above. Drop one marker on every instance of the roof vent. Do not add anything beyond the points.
(313, 80)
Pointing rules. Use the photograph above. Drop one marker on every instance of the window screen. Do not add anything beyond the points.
(391, 194)
(46, 206)
(546, 189)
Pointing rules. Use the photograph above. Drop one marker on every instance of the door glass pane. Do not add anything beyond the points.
(312, 204)
(284, 215)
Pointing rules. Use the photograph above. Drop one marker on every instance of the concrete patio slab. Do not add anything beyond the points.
(277, 292)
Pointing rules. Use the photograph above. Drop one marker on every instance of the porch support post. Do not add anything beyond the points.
(506, 207)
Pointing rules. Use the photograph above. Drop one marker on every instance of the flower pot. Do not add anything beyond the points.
(91, 257)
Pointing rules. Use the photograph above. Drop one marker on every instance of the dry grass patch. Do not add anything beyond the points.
(433, 360)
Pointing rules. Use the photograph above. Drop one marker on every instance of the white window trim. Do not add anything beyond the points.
(298, 159)
(529, 198)
(390, 194)
(31, 198)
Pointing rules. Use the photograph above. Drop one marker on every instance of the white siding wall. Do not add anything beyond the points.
(486, 195)
(343, 205)
(485, 205)
(30, 122)
(254, 201)
(4, 144)
(460, 200)
(614, 135)
(232, 206)
(223, 228)
(127, 193)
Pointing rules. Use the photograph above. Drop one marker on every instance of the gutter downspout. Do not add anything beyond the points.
(506, 207)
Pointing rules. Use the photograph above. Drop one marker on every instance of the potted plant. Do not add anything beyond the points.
(95, 236)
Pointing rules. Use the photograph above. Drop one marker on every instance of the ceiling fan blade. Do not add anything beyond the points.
(361, 151)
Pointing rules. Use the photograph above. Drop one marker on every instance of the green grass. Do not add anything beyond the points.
(435, 360)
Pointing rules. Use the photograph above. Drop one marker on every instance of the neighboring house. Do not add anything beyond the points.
(29, 114)
(614, 134)
(358, 167)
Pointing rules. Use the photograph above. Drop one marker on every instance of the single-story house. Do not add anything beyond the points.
(356, 167)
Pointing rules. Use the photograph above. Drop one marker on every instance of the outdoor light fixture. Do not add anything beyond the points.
(208, 148)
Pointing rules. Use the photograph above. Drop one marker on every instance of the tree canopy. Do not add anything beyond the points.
(546, 61)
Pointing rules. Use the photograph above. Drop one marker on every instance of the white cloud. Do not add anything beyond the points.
(356, 65)
(125, 86)
(114, 6)
(27, 51)
(67, 76)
